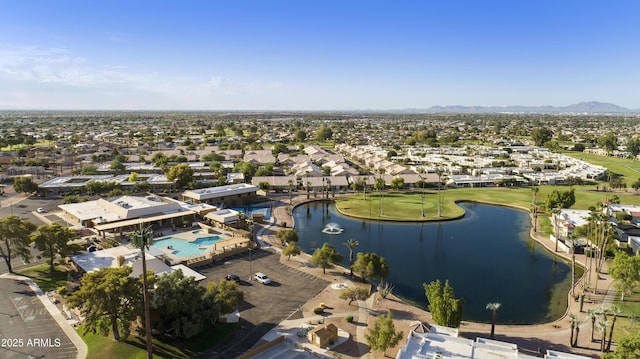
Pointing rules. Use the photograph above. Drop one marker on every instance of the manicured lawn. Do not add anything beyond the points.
(397, 206)
(627, 167)
(106, 348)
(406, 205)
(627, 323)
(44, 279)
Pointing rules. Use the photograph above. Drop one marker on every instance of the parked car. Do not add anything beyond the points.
(233, 277)
(40, 210)
(262, 278)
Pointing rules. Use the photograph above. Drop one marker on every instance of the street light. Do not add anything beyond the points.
(421, 196)
(250, 271)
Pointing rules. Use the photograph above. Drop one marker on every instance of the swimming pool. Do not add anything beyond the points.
(250, 211)
(182, 248)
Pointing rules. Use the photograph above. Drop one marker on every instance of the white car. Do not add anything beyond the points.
(262, 278)
(40, 210)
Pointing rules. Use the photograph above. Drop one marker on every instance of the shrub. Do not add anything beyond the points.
(62, 290)
(318, 310)
(349, 318)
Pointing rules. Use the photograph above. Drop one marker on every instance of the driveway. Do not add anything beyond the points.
(265, 305)
(27, 330)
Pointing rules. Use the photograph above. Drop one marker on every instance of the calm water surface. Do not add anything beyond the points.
(487, 257)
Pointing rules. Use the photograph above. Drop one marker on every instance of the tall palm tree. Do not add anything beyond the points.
(290, 182)
(556, 212)
(573, 319)
(577, 325)
(591, 314)
(534, 207)
(364, 188)
(602, 325)
(615, 311)
(493, 307)
(142, 238)
(351, 244)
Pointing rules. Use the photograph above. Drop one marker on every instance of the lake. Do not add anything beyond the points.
(487, 256)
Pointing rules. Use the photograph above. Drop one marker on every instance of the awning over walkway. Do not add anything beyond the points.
(136, 221)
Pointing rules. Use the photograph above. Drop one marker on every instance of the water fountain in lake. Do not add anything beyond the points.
(332, 228)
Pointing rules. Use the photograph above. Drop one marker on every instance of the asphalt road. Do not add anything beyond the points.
(27, 330)
(24, 209)
(265, 305)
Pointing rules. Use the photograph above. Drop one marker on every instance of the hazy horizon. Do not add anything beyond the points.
(316, 55)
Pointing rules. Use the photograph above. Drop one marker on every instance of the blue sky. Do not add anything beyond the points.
(316, 55)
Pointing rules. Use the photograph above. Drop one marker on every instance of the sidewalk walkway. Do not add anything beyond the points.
(530, 338)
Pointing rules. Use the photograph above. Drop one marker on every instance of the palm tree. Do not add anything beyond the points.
(591, 314)
(493, 307)
(439, 173)
(602, 328)
(577, 324)
(351, 244)
(534, 207)
(364, 188)
(615, 311)
(142, 238)
(290, 182)
(573, 318)
(556, 212)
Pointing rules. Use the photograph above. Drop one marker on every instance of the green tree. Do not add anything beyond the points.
(291, 249)
(134, 177)
(300, 136)
(324, 133)
(608, 142)
(370, 265)
(633, 146)
(445, 308)
(351, 244)
(14, 239)
(117, 166)
(287, 235)
(88, 170)
(541, 135)
(493, 307)
(615, 312)
(178, 302)
(248, 169)
(181, 173)
(383, 335)
(24, 184)
(110, 301)
(636, 185)
(625, 271)
(397, 183)
(560, 199)
(279, 148)
(354, 293)
(325, 257)
(53, 240)
(627, 347)
(225, 294)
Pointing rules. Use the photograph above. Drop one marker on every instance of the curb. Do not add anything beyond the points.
(80, 345)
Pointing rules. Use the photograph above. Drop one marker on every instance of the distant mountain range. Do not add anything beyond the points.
(591, 107)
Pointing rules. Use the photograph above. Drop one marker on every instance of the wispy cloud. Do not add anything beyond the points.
(115, 36)
(32, 72)
(54, 65)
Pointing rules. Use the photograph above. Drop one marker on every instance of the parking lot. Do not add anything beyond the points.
(265, 305)
(27, 329)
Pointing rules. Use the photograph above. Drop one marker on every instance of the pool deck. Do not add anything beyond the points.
(189, 236)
